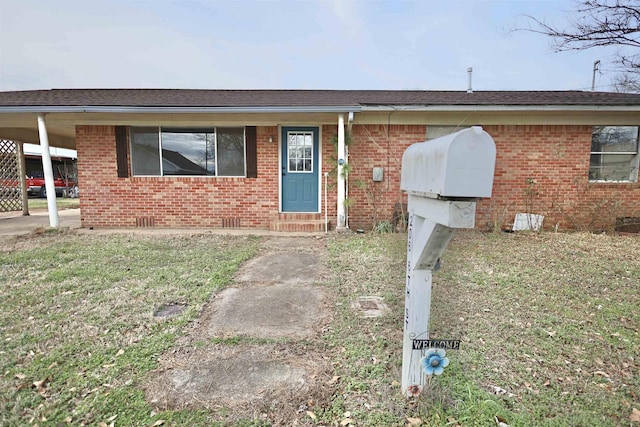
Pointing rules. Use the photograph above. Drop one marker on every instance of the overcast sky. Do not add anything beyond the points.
(243, 44)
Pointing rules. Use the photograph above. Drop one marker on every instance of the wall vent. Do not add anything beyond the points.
(145, 221)
(231, 222)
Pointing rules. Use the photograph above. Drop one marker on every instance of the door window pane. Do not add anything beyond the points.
(300, 151)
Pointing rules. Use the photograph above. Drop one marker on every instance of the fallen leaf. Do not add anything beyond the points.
(312, 415)
(346, 422)
(120, 352)
(21, 376)
(414, 421)
(602, 373)
(333, 380)
(68, 420)
(635, 416)
(39, 384)
(157, 423)
(113, 418)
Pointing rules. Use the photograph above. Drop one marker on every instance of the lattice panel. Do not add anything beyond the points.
(10, 189)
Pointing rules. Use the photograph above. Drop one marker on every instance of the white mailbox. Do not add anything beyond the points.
(443, 178)
(459, 165)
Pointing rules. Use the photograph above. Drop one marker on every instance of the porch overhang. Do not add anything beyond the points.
(19, 123)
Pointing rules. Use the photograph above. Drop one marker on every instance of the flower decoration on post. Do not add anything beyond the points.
(434, 361)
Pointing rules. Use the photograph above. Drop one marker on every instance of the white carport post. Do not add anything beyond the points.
(47, 168)
(342, 217)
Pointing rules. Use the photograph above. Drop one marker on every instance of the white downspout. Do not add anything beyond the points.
(342, 219)
(346, 156)
(47, 168)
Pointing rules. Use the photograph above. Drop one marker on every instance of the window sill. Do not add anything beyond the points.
(598, 182)
(184, 178)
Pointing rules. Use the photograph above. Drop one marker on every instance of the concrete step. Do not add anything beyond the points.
(299, 222)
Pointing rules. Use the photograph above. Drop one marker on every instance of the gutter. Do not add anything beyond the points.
(467, 108)
(313, 109)
(200, 110)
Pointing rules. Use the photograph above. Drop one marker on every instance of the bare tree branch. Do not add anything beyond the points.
(595, 24)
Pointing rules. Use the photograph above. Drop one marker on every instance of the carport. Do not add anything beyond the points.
(24, 124)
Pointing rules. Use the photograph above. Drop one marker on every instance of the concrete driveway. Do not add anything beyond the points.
(14, 224)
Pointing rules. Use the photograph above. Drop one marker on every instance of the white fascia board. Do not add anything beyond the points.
(108, 109)
(36, 150)
(501, 108)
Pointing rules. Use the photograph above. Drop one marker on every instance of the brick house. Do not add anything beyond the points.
(268, 158)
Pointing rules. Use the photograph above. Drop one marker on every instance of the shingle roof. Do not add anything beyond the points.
(304, 98)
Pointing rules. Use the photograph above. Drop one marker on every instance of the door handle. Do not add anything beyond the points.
(284, 170)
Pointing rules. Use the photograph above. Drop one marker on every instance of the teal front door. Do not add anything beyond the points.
(300, 169)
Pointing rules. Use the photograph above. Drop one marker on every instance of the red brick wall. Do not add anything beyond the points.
(329, 162)
(541, 169)
(108, 201)
(544, 170)
(377, 146)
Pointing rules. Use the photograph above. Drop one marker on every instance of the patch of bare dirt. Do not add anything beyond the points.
(271, 382)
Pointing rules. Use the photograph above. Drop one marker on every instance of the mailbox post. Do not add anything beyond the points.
(443, 179)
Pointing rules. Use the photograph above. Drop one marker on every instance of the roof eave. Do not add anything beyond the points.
(203, 110)
(312, 109)
(500, 108)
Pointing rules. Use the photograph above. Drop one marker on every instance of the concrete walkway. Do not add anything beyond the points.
(259, 351)
(14, 224)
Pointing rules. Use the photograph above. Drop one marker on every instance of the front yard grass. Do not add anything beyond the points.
(549, 325)
(39, 204)
(78, 332)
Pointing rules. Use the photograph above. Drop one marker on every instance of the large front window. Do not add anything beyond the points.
(614, 153)
(218, 151)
